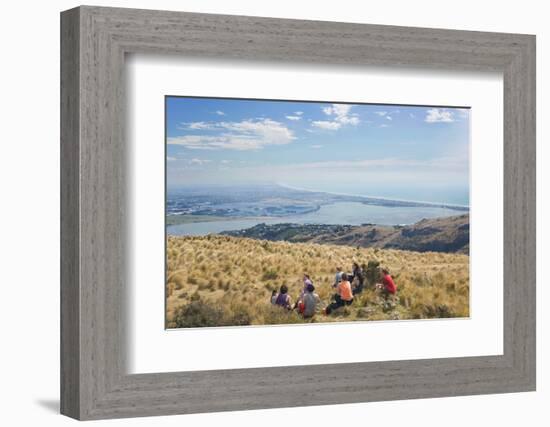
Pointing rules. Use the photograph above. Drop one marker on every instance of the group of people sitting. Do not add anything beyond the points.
(346, 286)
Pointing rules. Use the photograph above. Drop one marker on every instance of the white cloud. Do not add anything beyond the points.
(196, 126)
(439, 115)
(298, 113)
(294, 118)
(316, 146)
(244, 135)
(327, 110)
(220, 113)
(171, 159)
(381, 113)
(341, 111)
(340, 114)
(411, 115)
(384, 125)
(354, 120)
(389, 117)
(225, 162)
(199, 162)
(324, 124)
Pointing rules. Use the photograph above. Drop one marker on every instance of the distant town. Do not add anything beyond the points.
(269, 201)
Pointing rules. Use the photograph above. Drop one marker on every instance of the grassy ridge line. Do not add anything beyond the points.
(236, 275)
(447, 234)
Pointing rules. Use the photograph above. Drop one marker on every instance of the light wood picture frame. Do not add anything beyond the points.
(94, 379)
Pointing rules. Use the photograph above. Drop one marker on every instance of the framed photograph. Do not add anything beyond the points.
(326, 196)
(262, 213)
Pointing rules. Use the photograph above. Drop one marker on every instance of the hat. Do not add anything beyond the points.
(310, 287)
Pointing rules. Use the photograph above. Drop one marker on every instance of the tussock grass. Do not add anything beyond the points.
(222, 280)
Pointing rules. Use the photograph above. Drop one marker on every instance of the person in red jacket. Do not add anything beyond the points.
(387, 287)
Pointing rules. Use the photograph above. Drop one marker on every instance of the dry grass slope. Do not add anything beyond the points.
(222, 280)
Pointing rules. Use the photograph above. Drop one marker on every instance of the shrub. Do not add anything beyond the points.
(372, 272)
(273, 315)
(239, 316)
(438, 311)
(197, 314)
(270, 274)
(266, 246)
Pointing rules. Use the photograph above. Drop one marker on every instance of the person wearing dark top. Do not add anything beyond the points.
(283, 299)
(358, 279)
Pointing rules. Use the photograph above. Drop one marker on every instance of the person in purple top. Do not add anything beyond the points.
(307, 282)
(283, 299)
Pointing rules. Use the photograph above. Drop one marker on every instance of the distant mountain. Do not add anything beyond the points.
(449, 234)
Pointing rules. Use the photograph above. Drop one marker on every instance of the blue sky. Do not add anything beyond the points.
(419, 153)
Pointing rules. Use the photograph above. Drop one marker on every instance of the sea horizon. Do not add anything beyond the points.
(370, 196)
(449, 202)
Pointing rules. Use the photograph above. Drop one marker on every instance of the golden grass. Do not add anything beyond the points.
(235, 276)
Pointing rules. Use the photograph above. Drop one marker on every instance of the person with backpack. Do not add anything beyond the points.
(343, 297)
(283, 299)
(307, 282)
(310, 302)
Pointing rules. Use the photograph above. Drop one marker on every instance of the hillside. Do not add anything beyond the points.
(449, 234)
(223, 280)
